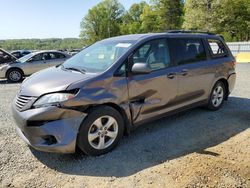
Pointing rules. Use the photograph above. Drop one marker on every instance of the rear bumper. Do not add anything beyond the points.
(231, 82)
(49, 129)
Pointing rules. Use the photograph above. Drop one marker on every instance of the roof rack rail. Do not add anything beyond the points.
(190, 31)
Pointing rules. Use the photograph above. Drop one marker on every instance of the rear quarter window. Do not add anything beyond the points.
(217, 48)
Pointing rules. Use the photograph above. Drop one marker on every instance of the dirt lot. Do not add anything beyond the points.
(197, 148)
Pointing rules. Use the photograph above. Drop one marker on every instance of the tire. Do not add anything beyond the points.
(96, 136)
(14, 75)
(217, 96)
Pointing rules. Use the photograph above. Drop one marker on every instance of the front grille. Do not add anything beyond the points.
(22, 101)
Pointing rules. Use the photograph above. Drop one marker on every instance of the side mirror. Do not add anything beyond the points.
(140, 68)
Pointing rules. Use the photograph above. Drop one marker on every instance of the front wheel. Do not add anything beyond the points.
(217, 96)
(101, 131)
(14, 75)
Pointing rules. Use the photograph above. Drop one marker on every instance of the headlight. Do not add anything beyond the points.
(53, 98)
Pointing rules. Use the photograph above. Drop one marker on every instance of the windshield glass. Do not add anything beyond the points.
(25, 58)
(99, 56)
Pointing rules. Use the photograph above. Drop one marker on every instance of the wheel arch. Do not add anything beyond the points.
(127, 123)
(225, 82)
(13, 68)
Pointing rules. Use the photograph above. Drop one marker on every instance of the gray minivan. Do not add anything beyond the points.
(112, 86)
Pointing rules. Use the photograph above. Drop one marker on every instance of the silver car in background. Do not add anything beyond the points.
(31, 63)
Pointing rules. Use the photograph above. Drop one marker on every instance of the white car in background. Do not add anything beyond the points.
(31, 63)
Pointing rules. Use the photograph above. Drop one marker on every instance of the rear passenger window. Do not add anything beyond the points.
(217, 48)
(57, 56)
(186, 51)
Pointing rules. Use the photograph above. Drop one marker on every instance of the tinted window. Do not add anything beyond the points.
(217, 47)
(17, 54)
(121, 71)
(154, 53)
(56, 56)
(46, 56)
(187, 50)
(38, 57)
(26, 53)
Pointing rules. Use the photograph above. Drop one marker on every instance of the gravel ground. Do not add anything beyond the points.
(197, 148)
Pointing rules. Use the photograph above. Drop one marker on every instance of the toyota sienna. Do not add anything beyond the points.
(118, 83)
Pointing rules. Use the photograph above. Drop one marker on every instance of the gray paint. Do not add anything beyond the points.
(61, 123)
(50, 80)
(140, 97)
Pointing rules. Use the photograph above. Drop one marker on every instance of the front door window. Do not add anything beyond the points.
(154, 53)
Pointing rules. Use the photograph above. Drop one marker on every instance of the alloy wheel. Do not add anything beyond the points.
(217, 96)
(103, 132)
(15, 76)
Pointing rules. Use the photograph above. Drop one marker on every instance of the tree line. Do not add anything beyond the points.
(42, 44)
(231, 18)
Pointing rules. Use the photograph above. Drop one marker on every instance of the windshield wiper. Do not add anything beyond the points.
(74, 69)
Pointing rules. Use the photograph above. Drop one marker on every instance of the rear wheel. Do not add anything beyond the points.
(14, 75)
(217, 96)
(101, 131)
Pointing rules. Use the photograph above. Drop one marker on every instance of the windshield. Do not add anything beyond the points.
(99, 56)
(25, 58)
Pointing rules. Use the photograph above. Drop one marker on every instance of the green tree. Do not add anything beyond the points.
(150, 19)
(170, 13)
(198, 14)
(132, 19)
(227, 17)
(162, 15)
(102, 21)
(232, 18)
(42, 44)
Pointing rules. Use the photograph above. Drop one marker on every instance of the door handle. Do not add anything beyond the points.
(171, 75)
(184, 72)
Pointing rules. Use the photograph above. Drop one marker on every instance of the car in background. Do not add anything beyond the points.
(6, 57)
(31, 63)
(20, 53)
(74, 52)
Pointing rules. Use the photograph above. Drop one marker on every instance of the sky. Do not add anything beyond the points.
(45, 18)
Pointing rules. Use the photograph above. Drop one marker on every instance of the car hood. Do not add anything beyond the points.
(13, 57)
(51, 80)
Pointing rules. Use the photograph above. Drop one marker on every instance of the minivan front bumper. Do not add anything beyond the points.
(50, 129)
